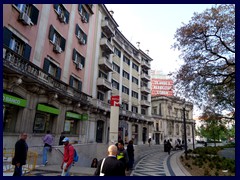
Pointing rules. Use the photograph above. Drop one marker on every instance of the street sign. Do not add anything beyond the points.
(115, 101)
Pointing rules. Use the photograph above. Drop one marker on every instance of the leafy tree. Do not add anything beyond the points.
(207, 45)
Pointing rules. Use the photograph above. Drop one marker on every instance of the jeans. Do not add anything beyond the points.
(45, 151)
(17, 171)
(68, 170)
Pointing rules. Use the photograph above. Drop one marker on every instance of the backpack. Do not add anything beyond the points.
(75, 157)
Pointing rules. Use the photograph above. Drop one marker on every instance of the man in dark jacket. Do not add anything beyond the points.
(20, 156)
(111, 166)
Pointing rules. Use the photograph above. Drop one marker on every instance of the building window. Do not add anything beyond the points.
(135, 80)
(78, 58)
(143, 97)
(100, 96)
(126, 60)
(125, 74)
(116, 67)
(99, 133)
(29, 10)
(115, 84)
(135, 94)
(57, 40)
(83, 13)
(75, 83)
(117, 52)
(102, 75)
(154, 110)
(143, 111)
(160, 109)
(82, 37)
(125, 106)
(134, 66)
(51, 68)
(63, 14)
(134, 109)
(125, 90)
(16, 44)
(10, 115)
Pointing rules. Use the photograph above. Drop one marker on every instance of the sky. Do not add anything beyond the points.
(154, 26)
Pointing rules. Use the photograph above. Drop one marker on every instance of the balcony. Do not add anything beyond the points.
(145, 77)
(106, 46)
(98, 104)
(145, 103)
(145, 65)
(107, 28)
(145, 90)
(105, 64)
(103, 84)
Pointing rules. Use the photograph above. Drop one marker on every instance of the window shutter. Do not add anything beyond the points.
(51, 33)
(34, 15)
(87, 16)
(80, 7)
(74, 54)
(27, 51)
(46, 65)
(66, 14)
(7, 34)
(83, 61)
(85, 38)
(77, 29)
(71, 81)
(56, 6)
(58, 73)
(80, 85)
(62, 45)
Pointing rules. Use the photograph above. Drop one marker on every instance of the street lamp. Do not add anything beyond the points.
(185, 133)
(193, 129)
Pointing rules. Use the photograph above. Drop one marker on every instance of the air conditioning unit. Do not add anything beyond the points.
(57, 48)
(79, 66)
(82, 40)
(62, 18)
(24, 18)
(84, 19)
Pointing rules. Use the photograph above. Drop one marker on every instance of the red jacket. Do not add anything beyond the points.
(68, 154)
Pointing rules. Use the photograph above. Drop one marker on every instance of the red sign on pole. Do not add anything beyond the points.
(115, 101)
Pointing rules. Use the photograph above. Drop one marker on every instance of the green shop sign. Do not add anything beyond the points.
(84, 117)
(14, 100)
(48, 109)
(73, 115)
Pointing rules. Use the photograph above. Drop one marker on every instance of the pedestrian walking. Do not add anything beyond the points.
(20, 155)
(110, 166)
(169, 146)
(122, 154)
(67, 157)
(61, 139)
(165, 145)
(130, 151)
(48, 142)
(149, 142)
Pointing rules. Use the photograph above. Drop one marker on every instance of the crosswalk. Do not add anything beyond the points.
(151, 165)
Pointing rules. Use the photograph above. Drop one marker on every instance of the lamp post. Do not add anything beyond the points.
(185, 133)
(193, 129)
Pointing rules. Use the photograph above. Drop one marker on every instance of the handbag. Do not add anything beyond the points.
(102, 174)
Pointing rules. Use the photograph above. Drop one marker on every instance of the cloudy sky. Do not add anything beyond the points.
(154, 26)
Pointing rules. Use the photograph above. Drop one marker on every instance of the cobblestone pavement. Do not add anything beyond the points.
(151, 165)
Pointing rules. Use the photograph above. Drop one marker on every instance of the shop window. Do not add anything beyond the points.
(10, 113)
(43, 122)
(70, 126)
(82, 37)
(16, 44)
(28, 13)
(57, 40)
(51, 68)
(63, 14)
